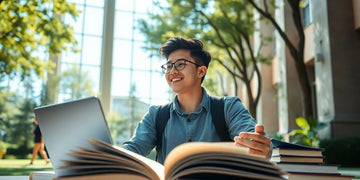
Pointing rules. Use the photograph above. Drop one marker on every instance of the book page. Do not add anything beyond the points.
(188, 149)
(156, 169)
(108, 176)
(90, 161)
(203, 157)
(107, 158)
(223, 173)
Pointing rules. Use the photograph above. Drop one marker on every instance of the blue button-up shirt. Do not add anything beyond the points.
(184, 127)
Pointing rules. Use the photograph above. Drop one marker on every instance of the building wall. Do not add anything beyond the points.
(267, 110)
(332, 57)
(323, 71)
(356, 10)
(334, 61)
(345, 65)
(280, 50)
(294, 93)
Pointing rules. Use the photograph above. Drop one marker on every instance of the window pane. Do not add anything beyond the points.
(123, 25)
(71, 57)
(64, 90)
(63, 97)
(142, 84)
(76, 1)
(93, 21)
(98, 3)
(126, 5)
(122, 54)
(120, 83)
(156, 64)
(91, 53)
(159, 88)
(137, 34)
(143, 6)
(141, 57)
(77, 23)
(93, 75)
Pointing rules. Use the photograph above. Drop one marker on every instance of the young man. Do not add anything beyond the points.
(190, 117)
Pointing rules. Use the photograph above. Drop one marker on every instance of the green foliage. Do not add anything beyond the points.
(278, 136)
(307, 134)
(6, 108)
(21, 126)
(2, 145)
(226, 26)
(17, 116)
(30, 27)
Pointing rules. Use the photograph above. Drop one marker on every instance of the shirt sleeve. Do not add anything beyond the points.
(237, 117)
(144, 138)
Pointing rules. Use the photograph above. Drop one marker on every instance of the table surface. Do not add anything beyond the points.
(347, 172)
(14, 177)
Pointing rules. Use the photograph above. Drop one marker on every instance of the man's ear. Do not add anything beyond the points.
(202, 71)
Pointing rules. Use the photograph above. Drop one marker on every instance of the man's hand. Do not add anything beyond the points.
(257, 142)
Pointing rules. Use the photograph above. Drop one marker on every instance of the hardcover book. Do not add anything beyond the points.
(198, 160)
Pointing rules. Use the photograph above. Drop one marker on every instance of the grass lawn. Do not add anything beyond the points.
(21, 167)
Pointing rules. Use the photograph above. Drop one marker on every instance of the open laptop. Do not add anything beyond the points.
(66, 126)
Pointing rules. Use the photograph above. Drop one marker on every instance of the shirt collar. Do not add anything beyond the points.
(205, 103)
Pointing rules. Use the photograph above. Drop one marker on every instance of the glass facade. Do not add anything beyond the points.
(131, 65)
(306, 13)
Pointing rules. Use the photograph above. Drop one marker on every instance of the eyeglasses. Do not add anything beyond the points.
(178, 64)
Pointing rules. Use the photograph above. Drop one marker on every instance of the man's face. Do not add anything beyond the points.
(187, 78)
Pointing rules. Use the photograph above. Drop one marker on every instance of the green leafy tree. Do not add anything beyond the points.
(6, 107)
(30, 27)
(21, 123)
(296, 48)
(226, 26)
(21, 126)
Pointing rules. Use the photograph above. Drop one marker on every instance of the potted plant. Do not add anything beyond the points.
(2, 149)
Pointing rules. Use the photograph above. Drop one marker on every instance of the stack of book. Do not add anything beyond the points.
(303, 162)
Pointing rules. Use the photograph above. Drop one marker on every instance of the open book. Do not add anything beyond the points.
(197, 160)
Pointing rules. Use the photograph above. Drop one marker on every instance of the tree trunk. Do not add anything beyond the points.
(296, 52)
(251, 101)
(306, 89)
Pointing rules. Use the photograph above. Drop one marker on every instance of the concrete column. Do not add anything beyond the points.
(106, 56)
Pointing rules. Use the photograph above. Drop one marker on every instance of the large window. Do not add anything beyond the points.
(133, 68)
(306, 12)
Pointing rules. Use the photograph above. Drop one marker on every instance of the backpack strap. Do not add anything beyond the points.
(161, 120)
(218, 118)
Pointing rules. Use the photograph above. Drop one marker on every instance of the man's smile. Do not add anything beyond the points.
(175, 79)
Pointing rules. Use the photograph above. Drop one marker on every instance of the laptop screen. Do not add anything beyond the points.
(67, 126)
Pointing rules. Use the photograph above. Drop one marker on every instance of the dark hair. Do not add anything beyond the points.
(195, 46)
